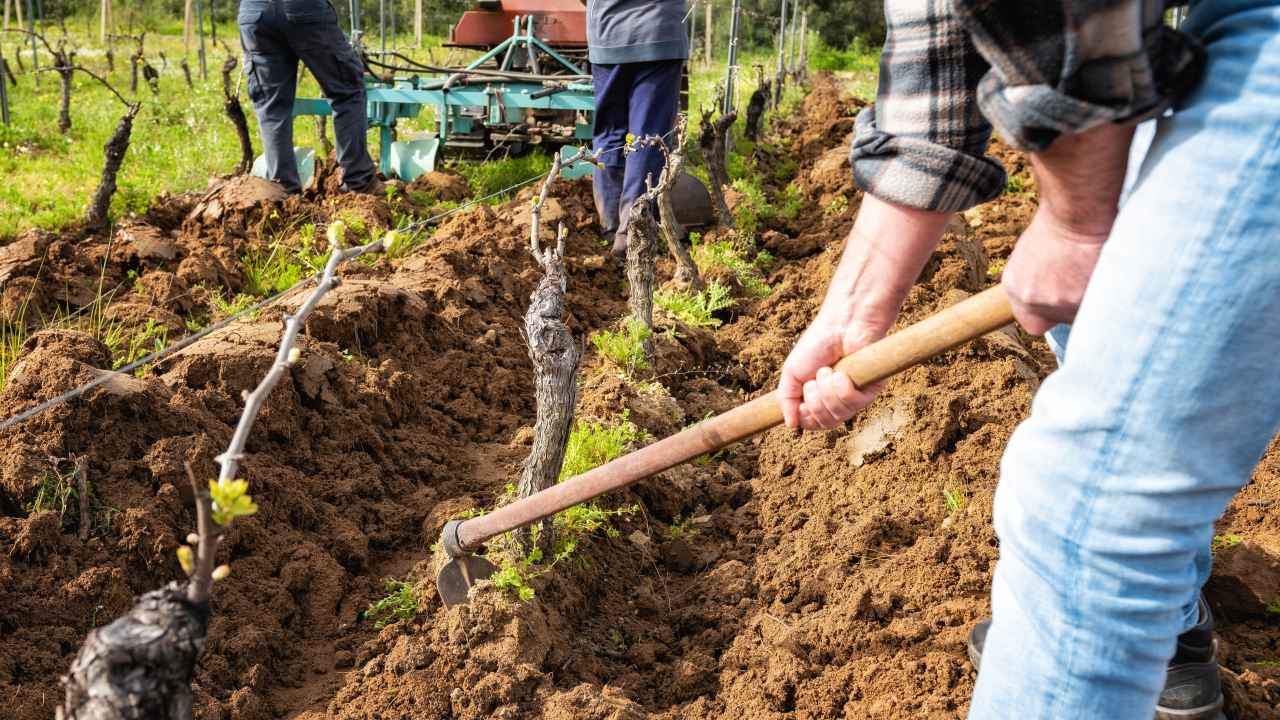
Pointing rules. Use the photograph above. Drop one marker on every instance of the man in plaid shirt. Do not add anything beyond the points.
(1167, 393)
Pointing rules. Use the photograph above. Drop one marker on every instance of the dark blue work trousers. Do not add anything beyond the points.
(275, 35)
(638, 98)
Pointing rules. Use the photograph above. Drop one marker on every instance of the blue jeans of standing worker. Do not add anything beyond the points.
(1167, 398)
(276, 34)
(640, 99)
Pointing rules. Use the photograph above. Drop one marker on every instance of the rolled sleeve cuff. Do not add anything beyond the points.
(918, 173)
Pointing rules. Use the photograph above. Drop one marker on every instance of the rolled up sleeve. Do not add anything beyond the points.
(923, 143)
(1059, 67)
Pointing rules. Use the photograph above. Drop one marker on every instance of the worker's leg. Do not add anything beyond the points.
(272, 72)
(317, 39)
(1167, 399)
(612, 86)
(655, 99)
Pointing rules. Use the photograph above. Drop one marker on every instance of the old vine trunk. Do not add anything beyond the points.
(713, 147)
(642, 242)
(113, 152)
(231, 106)
(140, 665)
(555, 358)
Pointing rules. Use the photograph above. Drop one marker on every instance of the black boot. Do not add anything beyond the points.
(1192, 689)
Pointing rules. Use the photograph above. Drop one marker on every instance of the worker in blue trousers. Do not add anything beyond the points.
(275, 35)
(637, 50)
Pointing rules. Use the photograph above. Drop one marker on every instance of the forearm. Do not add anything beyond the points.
(1080, 178)
(883, 255)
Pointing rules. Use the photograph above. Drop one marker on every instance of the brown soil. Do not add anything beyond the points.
(818, 575)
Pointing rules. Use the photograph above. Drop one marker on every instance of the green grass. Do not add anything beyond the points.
(954, 500)
(400, 603)
(56, 492)
(857, 57)
(501, 172)
(624, 347)
(179, 139)
(695, 309)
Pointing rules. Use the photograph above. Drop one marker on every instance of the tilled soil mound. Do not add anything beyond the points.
(819, 575)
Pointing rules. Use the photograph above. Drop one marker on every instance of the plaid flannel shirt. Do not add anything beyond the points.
(1033, 69)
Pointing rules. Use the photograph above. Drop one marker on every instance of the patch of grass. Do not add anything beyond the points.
(724, 254)
(56, 492)
(1222, 542)
(695, 309)
(954, 500)
(496, 174)
(1016, 184)
(400, 603)
(995, 267)
(227, 305)
(624, 347)
(837, 206)
(148, 339)
(857, 56)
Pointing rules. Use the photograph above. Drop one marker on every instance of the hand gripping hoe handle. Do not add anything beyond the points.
(960, 323)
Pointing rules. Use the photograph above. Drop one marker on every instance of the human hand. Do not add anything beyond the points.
(1048, 272)
(815, 396)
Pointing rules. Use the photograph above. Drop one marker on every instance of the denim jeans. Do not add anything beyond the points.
(276, 34)
(638, 98)
(1166, 400)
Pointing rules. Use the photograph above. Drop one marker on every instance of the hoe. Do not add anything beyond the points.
(964, 321)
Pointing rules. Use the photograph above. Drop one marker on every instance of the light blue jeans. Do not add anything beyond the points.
(1168, 396)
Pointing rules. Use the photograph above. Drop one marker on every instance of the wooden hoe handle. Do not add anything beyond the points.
(964, 321)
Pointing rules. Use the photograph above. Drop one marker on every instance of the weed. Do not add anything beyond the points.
(592, 444)
(1222, 542)
(1016, 185)
(723, 254)
(695, 309)
(1266, 664)
(1273, 607)
(838, 205)
(625, 347)
(150, 338)
(56, 492)
(954, 500)
(995, 267)
(228, 306)
(511, 578)
(400, 603)
(681, 529)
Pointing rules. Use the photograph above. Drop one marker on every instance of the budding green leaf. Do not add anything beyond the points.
(186, 559)
(222, 572)
(192, 539)
(231, 500)
(390, 240)
(294, 355)
(337, 231)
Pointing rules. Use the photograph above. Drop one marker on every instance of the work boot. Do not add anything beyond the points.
(1192, 688)
(619, 246)
(375, 188)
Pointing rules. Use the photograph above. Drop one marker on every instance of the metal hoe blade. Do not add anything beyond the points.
(455, 579)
